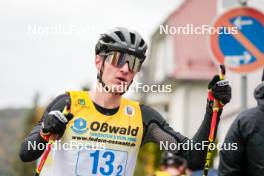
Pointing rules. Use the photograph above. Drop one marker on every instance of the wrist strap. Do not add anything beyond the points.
(44, 136)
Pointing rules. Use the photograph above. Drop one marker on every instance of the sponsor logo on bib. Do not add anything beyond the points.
(81, 101)
(79, 126)
(129, 110)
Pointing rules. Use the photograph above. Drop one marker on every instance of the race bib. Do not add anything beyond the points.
(101, 162)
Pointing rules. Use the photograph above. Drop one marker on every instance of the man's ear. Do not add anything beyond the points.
(98, 62)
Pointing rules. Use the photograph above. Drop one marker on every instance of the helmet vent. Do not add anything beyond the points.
(142, 42)
(120, 35)
(132, 38)
(108, 39)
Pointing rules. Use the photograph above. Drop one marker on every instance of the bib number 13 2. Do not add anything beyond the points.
(102, 162)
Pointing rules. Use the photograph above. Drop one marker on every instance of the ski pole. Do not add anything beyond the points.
(216, 106)
(51, 139)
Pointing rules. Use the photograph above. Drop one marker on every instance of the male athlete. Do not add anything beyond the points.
(104, 117)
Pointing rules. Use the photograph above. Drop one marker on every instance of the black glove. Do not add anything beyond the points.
(55, 123)
(220, 90)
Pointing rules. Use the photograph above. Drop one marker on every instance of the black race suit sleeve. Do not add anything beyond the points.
(157, 130)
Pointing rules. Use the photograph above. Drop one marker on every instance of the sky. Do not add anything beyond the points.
(48, 46)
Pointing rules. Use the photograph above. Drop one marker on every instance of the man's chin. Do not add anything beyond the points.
(120, 89)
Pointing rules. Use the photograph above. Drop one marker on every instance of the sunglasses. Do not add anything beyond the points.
(119, 59)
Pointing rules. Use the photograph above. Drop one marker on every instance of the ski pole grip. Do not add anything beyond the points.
(222, 72)
(66, 112)
(68, 115)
